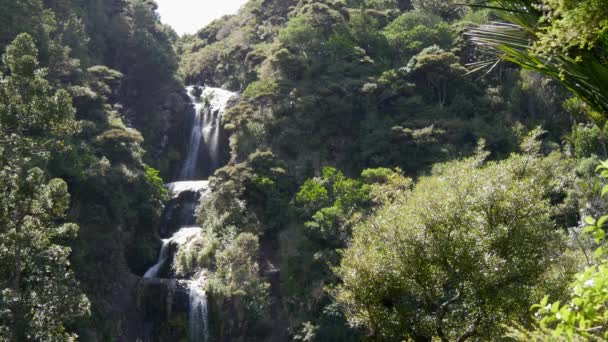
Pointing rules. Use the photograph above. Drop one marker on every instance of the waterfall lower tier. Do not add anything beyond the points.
(209, 106)
(199, 314)
(183, 196)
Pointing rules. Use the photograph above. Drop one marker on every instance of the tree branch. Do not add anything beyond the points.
(440, 313)
(471, 331)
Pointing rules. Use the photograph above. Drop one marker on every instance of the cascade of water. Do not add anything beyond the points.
(205, 129)
(196, 134)
(152, 272)
(209, 107)
(198, 310)
(181, 237)
(198, 315)
(201, 187)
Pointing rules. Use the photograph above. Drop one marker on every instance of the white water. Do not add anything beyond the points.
(208, 111)
(152, 272)
(206, 127)
(181, 237)
(199, 314)
(177, 188)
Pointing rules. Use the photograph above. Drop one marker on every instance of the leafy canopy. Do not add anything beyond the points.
(39, 294)
(458, 254)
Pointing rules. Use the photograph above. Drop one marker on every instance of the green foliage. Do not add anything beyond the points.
(441, 259)
(329, 203)
(106, 80)
(537, 35)
(199, 253)
(225, 263)
(29, 110)
(26, 17)
(81, 46)
(326, 83)
(238, 275)
(583, 315)
(312, 196)
(587, 140)
(39, 294)
(320, 70)
(415, 30)
(444, 8)
(437, 68)
(120, 144)
(261, 88)
(252, 196)
(586, 17)
(380, 175)
(156, 184)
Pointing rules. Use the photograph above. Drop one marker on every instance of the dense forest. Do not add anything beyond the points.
(304, 170)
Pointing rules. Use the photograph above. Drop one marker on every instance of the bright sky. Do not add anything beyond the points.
(189, 16)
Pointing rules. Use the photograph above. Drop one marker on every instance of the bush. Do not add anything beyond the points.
(462, 252)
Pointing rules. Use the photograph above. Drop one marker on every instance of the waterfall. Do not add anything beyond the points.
(205, 141)
(201, 187)
(181, 237)
(196, 134)
(206, 129)
(152, 272)
(198, 316)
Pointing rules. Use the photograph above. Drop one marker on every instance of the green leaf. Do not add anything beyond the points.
(589, 229)
(601, 221)
(544, 302)
(604, 190)
(599, 235)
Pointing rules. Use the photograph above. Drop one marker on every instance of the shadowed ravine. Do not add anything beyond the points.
(203, 153)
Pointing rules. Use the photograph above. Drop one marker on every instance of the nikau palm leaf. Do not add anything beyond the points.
(513, 38)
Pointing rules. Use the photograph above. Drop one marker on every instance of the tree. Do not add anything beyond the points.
(447, 9)
(24, 16)
(39, 293)
(33, 120)
(329, 203)
(237, 283)
(458, 254)
(437, 68)
(415, 30)
(566, 40)
(582, 316)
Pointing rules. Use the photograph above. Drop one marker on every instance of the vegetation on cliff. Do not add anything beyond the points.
(391, 176)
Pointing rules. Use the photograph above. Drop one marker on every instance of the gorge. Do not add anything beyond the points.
(336, 170)
(203, 156)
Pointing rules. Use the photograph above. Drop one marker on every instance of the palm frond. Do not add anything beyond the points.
(513, 38)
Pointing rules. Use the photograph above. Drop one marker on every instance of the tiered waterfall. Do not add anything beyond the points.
(203, 157)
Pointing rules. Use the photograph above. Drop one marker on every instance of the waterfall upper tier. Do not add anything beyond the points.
(205, 146)
(217, 98)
